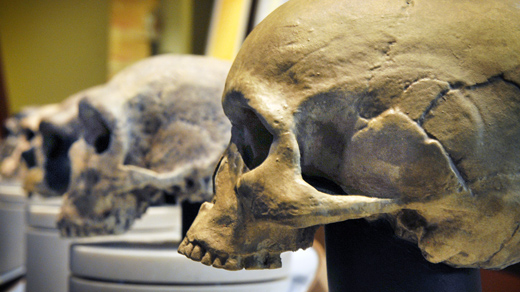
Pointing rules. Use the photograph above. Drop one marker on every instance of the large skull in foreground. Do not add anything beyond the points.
(48, 161)
(157, 128)
(407, 110)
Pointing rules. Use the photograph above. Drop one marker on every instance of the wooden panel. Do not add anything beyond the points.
(507, 280)
(228, 28)
(131, 29)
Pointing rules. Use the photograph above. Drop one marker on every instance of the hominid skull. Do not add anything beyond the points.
(22, 133)
(8, 145)
(406, 110)
(48, 161)
(156, 129)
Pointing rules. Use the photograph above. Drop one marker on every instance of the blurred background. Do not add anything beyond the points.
(51, 49)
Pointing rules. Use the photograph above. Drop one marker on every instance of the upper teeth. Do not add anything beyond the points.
(198, 253)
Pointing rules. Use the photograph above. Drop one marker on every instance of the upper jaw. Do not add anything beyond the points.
(70, 229)
(200, 252)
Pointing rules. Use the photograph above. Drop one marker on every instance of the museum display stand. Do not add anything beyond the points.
(155, 266)
(132, 267)
(12, 224)
(48, 254)
(367, 256)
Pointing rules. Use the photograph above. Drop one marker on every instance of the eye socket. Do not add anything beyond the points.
(52, 145)
(56, 141)
(97, 132)
(6, 132)
(29, 157)
(252, 139)
(28, 133)
(102, 142)
(56, 144)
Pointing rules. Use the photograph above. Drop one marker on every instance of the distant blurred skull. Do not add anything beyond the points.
(22, 130)
(49, 172)
(155, 129)
(12, 133)
(407, 110)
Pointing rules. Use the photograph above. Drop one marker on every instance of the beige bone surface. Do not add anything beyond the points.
(156, 129)
(405, 110)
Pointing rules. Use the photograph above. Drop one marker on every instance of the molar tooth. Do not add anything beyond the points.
(233, 264)
(188, 249)
(66, 231)
(256, 261)
(182, 248)
(274, 261)
(262, 260)
(219, 262)
(197, 253)
(206, 259)
(183, 242)
(74, 231)
(185, 249)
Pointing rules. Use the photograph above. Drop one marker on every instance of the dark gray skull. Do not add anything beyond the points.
(156, 129)
(407, 110)
(22, 135)
(47, 159)
(8, 146)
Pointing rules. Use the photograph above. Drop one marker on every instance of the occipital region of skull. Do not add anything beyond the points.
(405, 110)
(156, 129)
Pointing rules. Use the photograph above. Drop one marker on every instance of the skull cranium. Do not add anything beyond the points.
(48, 161)
(406, 110)
(155, 129)
(9, 154)
(22, 135)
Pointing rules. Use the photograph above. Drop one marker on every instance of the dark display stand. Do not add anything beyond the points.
(189, 212)
(363, 256)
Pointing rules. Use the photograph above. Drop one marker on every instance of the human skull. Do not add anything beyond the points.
(22, 129)
(12, 133)
(157, 128)
(47, 159)
(406, 110)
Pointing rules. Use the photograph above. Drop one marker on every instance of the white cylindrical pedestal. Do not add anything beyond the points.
(111, 267)
(12, 226)
(48, 254)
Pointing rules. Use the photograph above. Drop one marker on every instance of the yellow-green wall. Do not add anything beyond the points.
(52, 48)
(176, 34)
